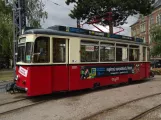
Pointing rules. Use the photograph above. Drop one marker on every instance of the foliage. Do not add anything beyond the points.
(121, 9)
(34, 13)
(5, 31)
(155, 33)
(156, 71)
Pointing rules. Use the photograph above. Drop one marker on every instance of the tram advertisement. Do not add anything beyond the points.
(89, 72)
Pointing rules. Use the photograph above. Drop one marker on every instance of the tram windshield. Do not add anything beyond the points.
(24, 51)
(21, 53)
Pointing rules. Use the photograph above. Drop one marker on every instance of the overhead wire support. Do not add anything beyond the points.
(19, 22)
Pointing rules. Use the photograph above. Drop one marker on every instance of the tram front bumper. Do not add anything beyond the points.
(20, 88)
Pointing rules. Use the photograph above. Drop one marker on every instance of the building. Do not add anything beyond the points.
(142, 27)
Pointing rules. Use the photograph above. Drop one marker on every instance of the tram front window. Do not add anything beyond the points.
(24, 52)
(28, 52)
(21, 53)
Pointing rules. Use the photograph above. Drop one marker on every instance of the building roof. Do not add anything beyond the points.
(134, 23)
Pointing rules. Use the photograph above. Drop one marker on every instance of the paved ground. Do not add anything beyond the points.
(84, 104)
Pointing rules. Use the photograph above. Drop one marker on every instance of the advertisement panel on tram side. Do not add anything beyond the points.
(90, 72)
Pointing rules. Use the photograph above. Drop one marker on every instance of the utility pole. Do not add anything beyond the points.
(19, 22)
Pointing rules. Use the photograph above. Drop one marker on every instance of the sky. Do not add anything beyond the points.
(58, 15)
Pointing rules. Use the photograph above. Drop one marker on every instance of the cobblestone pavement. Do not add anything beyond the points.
(83, 104)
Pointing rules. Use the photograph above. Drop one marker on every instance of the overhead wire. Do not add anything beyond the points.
(58, 4)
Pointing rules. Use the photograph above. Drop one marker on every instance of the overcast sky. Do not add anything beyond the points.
(58, 15)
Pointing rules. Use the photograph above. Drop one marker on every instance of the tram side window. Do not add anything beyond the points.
(121, 52)
(59, 50)
(89, 51)
(133, 53)
(107, 52)
(42, 50)
(144, 53)
(148, 54)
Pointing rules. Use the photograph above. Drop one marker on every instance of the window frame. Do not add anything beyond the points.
(122, 45)
(133, 48)
(66, 50)
(49, 40)
(96, 43)
(102, 44)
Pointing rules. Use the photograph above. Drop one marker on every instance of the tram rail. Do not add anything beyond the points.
(91, 117)
(143, 114)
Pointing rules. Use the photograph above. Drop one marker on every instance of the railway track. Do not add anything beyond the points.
(143, 114)
(4, 83)
(21, 104)
(120, 106)
(24, 103)
(3, 86)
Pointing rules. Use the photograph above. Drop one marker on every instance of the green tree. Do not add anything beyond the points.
(85, 10)
(155, 33)
(34, 13)
(6, 31)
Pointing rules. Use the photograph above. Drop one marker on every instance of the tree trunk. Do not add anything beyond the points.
(78, 23)
(111, 27)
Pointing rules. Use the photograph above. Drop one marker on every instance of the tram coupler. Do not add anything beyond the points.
(11, 87)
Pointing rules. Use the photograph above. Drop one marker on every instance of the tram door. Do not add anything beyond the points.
(60, 64)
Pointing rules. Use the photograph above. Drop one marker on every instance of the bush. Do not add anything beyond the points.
(157, 71)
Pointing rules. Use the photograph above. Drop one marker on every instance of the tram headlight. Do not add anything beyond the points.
(17, 77)
(26, 89)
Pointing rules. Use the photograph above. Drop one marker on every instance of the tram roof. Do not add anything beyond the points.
(62, 33)
(56, 32)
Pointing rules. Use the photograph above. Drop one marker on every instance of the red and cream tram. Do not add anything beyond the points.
(65, 58)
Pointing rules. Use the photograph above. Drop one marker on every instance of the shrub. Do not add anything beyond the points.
(157, 71)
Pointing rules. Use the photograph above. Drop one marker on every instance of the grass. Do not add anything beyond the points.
(6, 75)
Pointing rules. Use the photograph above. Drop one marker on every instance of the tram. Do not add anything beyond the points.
(64, 58)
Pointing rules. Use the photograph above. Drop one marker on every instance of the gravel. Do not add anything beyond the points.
(129, 111)
(83, 105)
(155, 115)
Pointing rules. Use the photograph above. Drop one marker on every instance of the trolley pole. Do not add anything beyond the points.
(14, 46)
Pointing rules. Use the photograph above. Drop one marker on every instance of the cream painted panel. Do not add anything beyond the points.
(141, 53)
(30, 38)
(74, 50)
